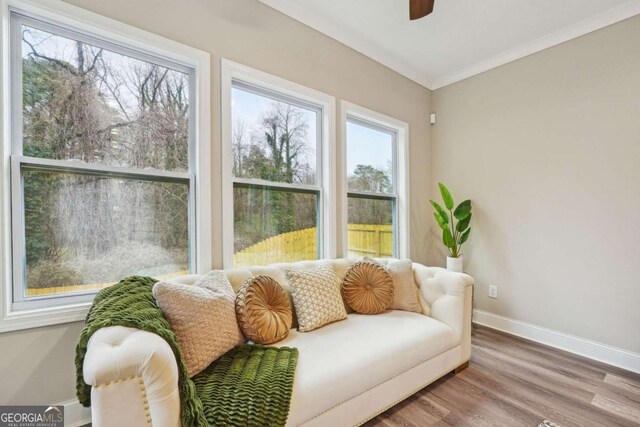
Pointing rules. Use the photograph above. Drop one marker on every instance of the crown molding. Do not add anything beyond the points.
(301, 14)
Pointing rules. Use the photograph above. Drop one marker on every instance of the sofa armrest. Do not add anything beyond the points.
(134, 379)
(448, 296)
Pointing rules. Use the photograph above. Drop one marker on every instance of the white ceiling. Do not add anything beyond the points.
(460, 38)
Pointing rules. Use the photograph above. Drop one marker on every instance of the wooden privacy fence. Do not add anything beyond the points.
(34, 292)
(364, 240)
(370, 240)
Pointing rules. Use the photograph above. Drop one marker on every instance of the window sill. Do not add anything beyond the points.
(28, 319)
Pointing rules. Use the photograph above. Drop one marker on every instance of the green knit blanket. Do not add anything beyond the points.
(249, 385)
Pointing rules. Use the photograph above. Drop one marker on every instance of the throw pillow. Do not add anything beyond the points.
(263, 310)
(202, 316)
(316, 297)
(405, 291)
(368, 287)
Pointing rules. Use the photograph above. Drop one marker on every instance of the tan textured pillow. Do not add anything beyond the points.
(263, 310)
(368, 287)
(405, 291)
(202, 316)
(316, 297)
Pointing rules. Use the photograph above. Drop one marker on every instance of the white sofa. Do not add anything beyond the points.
(347, 372)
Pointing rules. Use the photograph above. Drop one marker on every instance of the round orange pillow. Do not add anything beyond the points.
(368, 287)
(263, 310)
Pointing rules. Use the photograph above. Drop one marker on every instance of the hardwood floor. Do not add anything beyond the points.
(514, 382)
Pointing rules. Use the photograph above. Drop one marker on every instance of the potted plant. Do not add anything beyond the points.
(454, 233)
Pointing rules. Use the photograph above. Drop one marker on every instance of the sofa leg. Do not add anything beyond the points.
(461, 368)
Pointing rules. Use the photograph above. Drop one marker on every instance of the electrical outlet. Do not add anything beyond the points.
(493, 291)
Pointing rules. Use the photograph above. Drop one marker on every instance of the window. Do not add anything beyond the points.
(100, 162)
(276, 176)
(376, 185)
(278, 169)
(371, 190)
(103, 162)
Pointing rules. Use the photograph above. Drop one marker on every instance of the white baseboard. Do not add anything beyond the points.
(75, 415)
(593, 350)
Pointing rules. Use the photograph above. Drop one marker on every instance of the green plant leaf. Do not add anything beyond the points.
(463, 210)
(463, 224)
(441, 212)
(446, 196)
(447, 238)
(465, 236)
(439, 220)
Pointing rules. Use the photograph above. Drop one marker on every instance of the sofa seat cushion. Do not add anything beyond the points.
(344, 359)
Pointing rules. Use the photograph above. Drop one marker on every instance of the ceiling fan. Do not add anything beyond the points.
(420, 8)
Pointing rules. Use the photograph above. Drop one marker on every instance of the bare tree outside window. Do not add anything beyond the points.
(274, 142)
(89, 104)
(86, 103)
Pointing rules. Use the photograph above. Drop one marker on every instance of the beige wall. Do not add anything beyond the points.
(37, 365)
(548, 148)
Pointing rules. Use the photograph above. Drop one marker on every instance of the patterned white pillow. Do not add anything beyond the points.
(316, 297)
(203, 317)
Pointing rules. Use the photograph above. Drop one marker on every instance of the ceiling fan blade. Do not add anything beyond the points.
(420, 8)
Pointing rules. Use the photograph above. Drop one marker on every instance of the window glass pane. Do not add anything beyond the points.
(84, 232)
(90, 104)
(274, 226)
(370, 228)
(273, 140)
(369, 159)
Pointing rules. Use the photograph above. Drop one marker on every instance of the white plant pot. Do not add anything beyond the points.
(454, 264)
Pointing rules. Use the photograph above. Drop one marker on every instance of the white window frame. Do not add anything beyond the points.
(400, 129)
(73, 308)
(230, 72)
